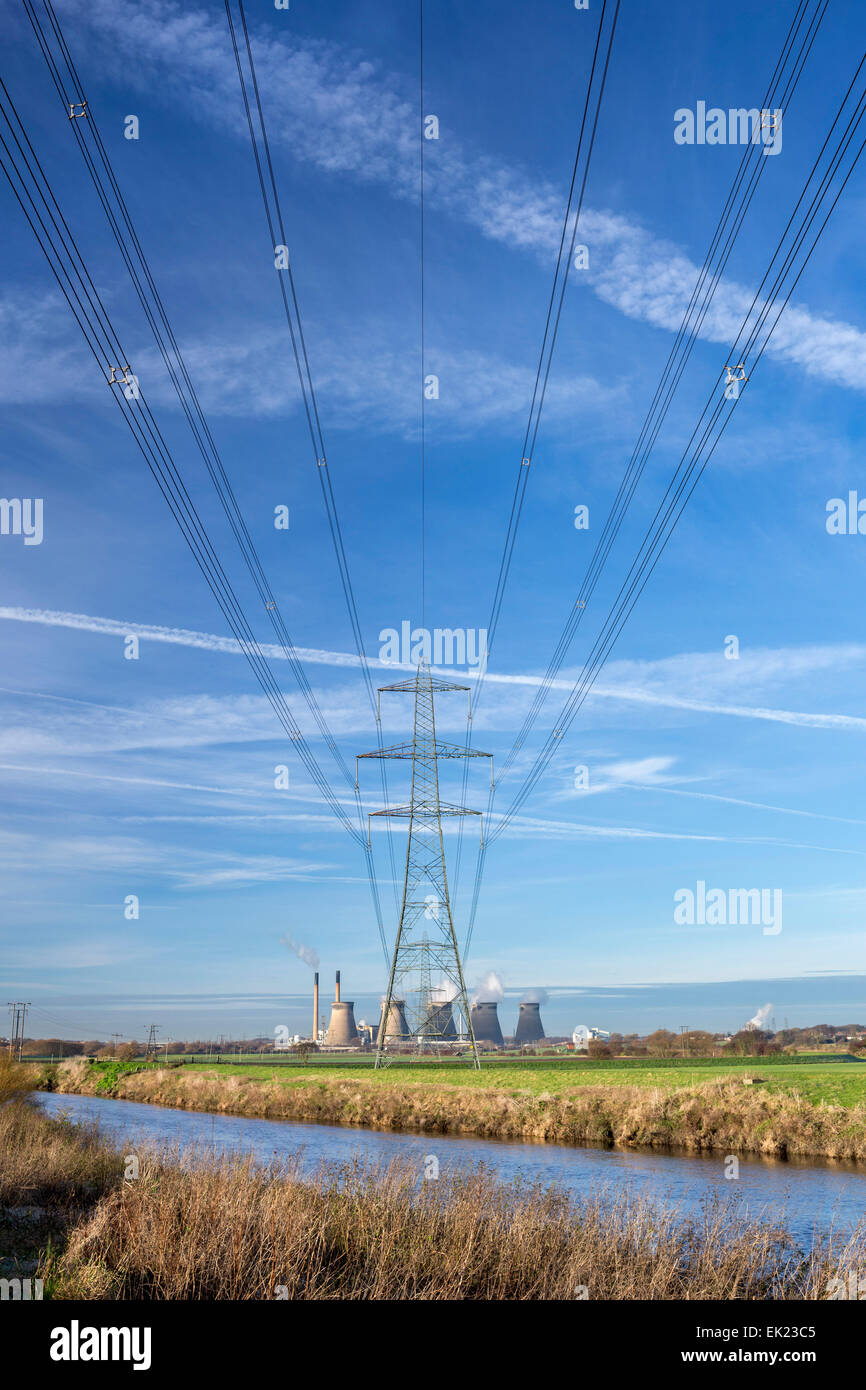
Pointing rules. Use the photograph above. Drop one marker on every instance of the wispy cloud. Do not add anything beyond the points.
(366, 379)
(23, 855)
(608, 777)
(340, 112)
(739, 801)
(532, 825)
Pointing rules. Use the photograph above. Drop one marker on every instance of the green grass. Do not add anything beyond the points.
(822, 1079)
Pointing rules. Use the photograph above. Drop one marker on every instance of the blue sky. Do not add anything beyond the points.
(155, 777)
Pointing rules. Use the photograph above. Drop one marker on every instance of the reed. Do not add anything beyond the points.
(227, 1229)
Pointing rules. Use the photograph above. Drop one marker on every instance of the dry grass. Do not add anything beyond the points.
(230, 1230)
(718, 1115)
(225, 1228)
(51, 1173)
(16, 1079)
(47, 1161)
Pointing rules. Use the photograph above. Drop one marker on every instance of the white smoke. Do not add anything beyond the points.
(444, 993)
(489, 989)
(304, 953)
(761, 1019)
(535, 996)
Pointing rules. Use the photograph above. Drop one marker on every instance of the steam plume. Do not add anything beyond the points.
(761, 1019)
(489, 989)
(304, 953)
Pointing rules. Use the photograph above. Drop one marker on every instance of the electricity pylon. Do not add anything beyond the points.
(426, 986)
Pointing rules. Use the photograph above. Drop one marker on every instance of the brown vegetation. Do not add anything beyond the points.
(51, 1172)
(717, 1115)
(356, 1232)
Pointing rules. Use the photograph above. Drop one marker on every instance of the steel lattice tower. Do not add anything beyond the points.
(425, 986)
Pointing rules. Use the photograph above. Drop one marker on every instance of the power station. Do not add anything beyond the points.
(438, 1024)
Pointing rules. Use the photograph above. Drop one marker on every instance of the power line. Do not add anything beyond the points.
(274, 217)
(680, 352)
(421, 138)
(17, 1013)
(738, 351)
(659, 532)
(542, 373)
(551, 328)
(694, 314)
(176, 367)
(173, 359)
(76, 284)
(721, 245)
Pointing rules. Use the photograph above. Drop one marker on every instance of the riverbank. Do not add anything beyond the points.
(195, 1225)
(725, 1115)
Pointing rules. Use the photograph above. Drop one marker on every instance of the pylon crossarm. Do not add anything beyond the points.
(422, 810)
(407, 750)
(436, 683)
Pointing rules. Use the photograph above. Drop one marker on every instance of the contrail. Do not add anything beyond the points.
(316, 656)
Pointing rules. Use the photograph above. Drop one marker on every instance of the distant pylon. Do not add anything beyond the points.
(426, 971)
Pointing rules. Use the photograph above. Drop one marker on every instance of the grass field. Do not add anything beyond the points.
(838, 1081)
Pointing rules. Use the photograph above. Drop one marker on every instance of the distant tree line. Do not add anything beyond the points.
(748, 1042)
(124, 1051)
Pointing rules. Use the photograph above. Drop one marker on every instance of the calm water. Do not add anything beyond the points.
(802, 1195)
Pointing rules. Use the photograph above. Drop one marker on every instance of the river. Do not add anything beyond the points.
(801, 1194)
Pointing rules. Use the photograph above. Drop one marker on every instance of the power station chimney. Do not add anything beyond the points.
(485, 1022)
(529, 1027)
(316, 1007)
(341, 1029)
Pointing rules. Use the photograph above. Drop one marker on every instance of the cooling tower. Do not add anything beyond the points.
(529, 1027)
(395, 1027)
(485, 1022)
(439, 1020)
(341, 1029)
